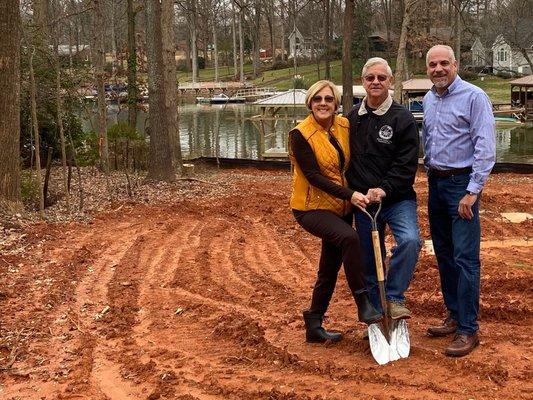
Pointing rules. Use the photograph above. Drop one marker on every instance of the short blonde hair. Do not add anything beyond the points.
(317, 87)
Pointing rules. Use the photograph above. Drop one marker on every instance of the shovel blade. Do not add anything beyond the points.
(379, 347)
(400, 336)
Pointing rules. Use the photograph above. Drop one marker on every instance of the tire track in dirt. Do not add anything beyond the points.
(117, 368)
(101, 371)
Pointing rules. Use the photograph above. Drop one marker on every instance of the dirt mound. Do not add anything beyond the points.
(198, 294)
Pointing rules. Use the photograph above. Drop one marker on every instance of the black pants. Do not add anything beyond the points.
(340, 244)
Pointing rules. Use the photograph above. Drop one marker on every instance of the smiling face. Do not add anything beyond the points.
(441, 68)
(377, 83)
(323, 106)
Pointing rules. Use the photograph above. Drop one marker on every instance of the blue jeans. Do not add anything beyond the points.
(401, 217)
(456, 242)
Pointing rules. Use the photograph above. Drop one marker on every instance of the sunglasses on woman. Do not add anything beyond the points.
(327, 99)
(371, 78)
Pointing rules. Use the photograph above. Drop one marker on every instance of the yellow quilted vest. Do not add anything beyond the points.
(306, 197)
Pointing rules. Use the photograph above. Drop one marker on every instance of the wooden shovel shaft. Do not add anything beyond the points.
(377, 256)
(381, 281)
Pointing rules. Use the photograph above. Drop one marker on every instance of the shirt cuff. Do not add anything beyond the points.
(474, 187)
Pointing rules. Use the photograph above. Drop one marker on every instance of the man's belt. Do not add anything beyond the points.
(446, 173)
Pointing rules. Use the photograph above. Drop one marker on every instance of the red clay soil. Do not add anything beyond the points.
(201, 298)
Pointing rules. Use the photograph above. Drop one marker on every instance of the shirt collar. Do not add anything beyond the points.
(453, 86)
(382, 109)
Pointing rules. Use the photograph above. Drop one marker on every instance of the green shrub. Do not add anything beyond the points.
(298, 82)
(29, 188)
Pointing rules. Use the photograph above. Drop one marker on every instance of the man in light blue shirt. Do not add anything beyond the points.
(459, 145)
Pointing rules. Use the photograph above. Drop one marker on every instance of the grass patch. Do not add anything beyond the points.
(498, 89)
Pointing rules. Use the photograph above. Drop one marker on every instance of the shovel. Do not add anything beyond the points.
(389, 339)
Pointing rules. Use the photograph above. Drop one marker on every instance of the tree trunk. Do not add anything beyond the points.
(215, 42)
(282, 23)
(36, 138)
(10, 27)
(457, 41)
(98, 56)
(410, 6)
(255, 36)
(160, 166)
(59, 107)
(270, 22)
(194, 47)
(327, 39)
(170, 79)
(133, 93)
(241, 48)
(234, 34)
(347, 73)
(114, 39)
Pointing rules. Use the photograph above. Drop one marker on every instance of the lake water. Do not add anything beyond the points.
(228, 131)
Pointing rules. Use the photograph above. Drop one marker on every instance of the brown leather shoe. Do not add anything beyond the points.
(462, 345)
(449, 326)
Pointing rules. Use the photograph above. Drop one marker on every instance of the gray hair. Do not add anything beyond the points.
(451, 54)
(374, 61)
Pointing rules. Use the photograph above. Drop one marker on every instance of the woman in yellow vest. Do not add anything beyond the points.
(321, 203)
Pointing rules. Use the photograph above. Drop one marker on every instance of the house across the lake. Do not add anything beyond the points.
(505, 59)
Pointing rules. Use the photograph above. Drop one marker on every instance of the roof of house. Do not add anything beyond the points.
(524, 81)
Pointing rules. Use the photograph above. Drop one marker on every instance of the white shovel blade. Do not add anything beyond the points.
(400, 338)
(379, 346)
(393, 346)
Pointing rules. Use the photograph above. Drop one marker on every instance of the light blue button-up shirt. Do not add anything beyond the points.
(459, 131)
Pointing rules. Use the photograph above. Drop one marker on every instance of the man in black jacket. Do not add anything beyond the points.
(384, 158)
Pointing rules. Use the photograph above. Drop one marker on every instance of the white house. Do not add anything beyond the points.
(506, 59)
(304, 46)
(480, 55)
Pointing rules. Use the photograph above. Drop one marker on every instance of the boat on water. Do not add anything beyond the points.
(221, 98)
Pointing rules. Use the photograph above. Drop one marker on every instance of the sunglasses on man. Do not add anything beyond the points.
(327, 99)
(371, 78)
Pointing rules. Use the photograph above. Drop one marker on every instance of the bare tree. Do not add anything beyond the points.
(36, 137)
(160, 165)
(98, 57)
(170, 83)
(133, 91)
(10, 105)
(327, 38)
(347, 73)
(234, 37)
(59, 105)
(401, 60)
(240, 4)
(212, 16)
(515, 24)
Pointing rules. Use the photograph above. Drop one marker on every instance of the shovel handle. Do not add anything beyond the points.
(377, 256)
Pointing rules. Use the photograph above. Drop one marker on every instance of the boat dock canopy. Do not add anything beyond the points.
(289, 98)
(417, 85)
(522, 95)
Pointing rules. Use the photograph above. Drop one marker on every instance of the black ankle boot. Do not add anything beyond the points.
(366, 312)
(314, 333)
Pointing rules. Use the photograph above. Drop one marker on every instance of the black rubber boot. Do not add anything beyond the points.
(366, 312)
(314, 333)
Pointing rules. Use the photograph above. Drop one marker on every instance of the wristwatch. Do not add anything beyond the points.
(471, 193)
